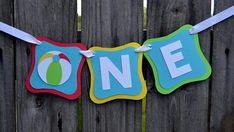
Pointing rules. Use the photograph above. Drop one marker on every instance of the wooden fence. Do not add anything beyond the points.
(196, 107)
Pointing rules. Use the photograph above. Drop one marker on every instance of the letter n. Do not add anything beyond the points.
(107, 68)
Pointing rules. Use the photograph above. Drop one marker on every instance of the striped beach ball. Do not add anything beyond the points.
(54, 68)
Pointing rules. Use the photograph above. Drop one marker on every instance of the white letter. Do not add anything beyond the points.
(171, 59)
(123, 78)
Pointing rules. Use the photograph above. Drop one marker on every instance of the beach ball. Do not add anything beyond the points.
(54, 68)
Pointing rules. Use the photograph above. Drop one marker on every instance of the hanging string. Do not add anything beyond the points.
(212, 20)
(18, 33)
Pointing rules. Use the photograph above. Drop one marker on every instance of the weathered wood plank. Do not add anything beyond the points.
(222, 97)
(7, 91)
(187, 108)
(56, 20)
(110, 23)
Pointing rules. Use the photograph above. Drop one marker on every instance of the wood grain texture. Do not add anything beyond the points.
(109, 23)
(222, 97)
(7, 78)
(56, 20)
(186, 109)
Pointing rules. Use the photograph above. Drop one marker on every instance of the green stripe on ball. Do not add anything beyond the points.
(54, 73)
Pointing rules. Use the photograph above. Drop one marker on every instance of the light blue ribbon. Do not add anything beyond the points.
(18, 33)
(212, 20)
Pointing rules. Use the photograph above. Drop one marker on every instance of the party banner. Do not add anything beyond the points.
(56, 68)
(177, 59)
(116, 73)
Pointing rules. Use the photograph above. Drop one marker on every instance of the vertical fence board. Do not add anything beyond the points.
(7, 105)
(186, 109)
(56, 20)
(110, 23)
(222, 97)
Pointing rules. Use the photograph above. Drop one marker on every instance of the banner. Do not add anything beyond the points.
(177, 59)
(56, 68)
(116, 73)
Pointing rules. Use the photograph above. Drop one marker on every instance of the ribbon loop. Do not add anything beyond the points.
(143, 48)
(87, 53)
